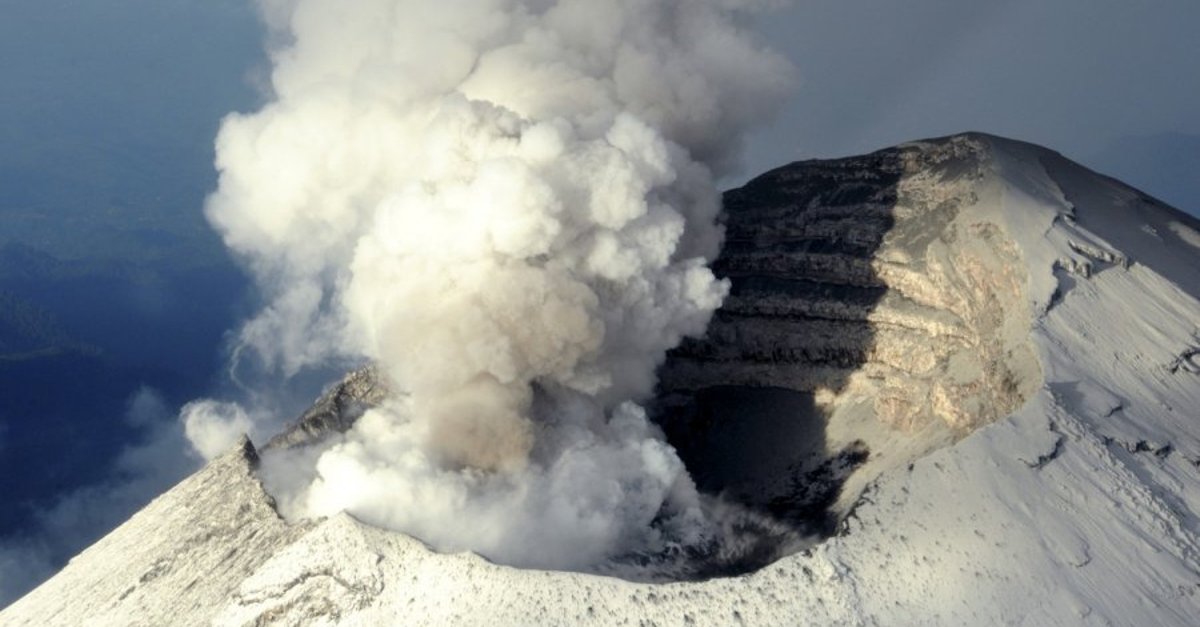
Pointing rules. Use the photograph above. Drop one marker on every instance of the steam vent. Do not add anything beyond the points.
(875, 316)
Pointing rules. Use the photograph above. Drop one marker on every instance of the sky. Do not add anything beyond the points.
(1110, 83)
(108, 108)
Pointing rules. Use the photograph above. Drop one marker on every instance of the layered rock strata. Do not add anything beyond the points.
(881, 303)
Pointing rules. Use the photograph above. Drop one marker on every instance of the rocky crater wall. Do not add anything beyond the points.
(878, 312)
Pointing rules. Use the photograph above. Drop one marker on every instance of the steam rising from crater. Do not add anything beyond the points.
(508, 205)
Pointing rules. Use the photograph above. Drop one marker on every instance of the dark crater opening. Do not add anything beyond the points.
(766, 448)
(741, 404)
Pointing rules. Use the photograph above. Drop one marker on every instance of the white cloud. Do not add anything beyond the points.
(213, 427)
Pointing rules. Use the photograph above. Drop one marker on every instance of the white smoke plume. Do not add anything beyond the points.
(508, 205)
(213, 427)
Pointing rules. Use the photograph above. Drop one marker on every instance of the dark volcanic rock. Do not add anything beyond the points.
(336, 410)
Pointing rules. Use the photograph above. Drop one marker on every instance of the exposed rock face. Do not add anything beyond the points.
(862, 276)
(336, 410)
(866, 290)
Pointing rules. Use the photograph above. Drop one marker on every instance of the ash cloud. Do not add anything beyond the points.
(509, 206)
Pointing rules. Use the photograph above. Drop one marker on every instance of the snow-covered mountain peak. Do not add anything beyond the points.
(969, 362)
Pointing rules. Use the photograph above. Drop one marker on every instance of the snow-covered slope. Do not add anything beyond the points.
(174, 562)
(1081, 506)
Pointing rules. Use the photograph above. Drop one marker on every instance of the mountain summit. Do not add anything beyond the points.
(967, 368)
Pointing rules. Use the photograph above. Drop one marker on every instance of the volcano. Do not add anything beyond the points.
(966, 370)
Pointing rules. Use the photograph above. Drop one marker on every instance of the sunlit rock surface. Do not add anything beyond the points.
(882, 303)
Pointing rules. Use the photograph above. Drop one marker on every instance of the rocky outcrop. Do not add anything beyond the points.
(879, 292)
(863, 276)
(336, 410)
